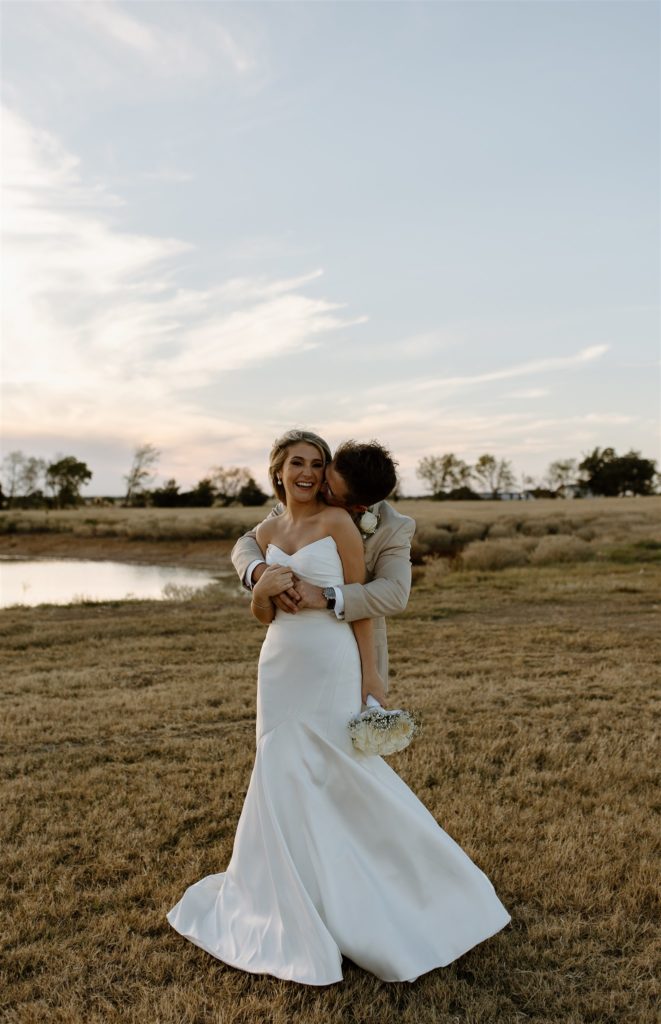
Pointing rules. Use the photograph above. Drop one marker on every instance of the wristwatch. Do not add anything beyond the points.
(329, 594)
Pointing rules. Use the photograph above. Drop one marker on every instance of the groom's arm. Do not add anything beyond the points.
(244, 553)
(247, 550)
(388, 591)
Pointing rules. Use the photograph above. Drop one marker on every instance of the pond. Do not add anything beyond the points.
(61, 581)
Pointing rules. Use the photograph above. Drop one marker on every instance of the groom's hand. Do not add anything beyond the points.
(309, 596)
(287, 601)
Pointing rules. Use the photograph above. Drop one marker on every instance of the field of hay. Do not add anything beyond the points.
(127, 745)
(478, 535)
(207, 523)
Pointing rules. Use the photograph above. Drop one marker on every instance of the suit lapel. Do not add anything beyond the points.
(373, 542)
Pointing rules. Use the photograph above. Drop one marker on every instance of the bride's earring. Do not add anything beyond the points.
(278, 480)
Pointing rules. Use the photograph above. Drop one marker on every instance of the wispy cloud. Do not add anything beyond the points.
(73, 61)
(96, 328)
(414, 433)
(528, 393)
(533, 368)
(65, 264)
(120, 26)
(171, 50)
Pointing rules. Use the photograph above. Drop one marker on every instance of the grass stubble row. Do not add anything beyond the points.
(127, 745)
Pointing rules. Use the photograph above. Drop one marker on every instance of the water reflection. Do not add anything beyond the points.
(61, 581)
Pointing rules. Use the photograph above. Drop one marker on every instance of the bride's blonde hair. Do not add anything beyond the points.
(279, 454)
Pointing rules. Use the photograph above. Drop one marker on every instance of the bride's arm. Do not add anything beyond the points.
(350, 547)
(272, 582)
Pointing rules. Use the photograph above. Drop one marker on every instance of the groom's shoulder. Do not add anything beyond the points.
(393, 519)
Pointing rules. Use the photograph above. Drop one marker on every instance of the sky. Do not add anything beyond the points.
(434, 224)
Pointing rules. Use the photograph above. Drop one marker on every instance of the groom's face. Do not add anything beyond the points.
(334, 489)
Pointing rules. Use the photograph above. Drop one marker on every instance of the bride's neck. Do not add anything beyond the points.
(299, 512)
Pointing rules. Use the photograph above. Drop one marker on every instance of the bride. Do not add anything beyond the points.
(333, 855)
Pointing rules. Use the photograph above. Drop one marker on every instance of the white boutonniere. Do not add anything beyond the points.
(368, 523)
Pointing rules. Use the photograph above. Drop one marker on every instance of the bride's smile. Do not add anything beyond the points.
(302, 472)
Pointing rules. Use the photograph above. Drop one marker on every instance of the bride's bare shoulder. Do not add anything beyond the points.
(337, 519)
(334, 514)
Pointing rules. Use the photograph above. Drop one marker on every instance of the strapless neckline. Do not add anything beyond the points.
(311, 544)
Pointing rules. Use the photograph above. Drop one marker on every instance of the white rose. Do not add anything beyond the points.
(368, 523)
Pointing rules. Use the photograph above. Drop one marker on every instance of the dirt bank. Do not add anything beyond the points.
(190, 554)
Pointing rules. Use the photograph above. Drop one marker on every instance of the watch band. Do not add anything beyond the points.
(329, 594)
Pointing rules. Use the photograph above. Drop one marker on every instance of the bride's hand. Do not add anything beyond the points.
(274, 580)
(373, 683)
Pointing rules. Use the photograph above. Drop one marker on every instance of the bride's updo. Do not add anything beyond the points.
(279, 454)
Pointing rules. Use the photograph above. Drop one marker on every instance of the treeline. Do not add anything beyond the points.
(602, 472)
(221, 486)
(29, 482)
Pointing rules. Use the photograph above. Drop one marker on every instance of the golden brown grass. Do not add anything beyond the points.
(161, 524)
(487, 534)
(473, 518)
(128, 739)
(499, 535)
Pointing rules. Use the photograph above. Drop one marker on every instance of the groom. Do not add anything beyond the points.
(358, 479)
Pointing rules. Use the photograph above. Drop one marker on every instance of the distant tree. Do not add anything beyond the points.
(65, 477)
(530, 485)
(443, 472)
(485, 470)
(496, 474)
(139, 499)
(12, 467)
(561, 474)
(22, 476)
(202, 495)
(605, 473)
(3, 499)
(35, 499)
(430, 471)
(251, 494)
(227, 483)
(145, 458)
(459, 472)
(464, 493)
(33, 471)
(167, 496)
(637, 475)
(542, 492)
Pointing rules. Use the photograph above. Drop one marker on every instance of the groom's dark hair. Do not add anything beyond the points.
(367, 469)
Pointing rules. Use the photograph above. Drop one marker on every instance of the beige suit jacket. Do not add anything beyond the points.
(388, 564)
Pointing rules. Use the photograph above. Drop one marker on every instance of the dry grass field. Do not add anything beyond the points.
(209, 523)
(127, 745)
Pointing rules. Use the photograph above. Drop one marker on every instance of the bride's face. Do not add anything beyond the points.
(302, 472)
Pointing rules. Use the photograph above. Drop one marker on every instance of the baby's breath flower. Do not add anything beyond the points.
(380, 731)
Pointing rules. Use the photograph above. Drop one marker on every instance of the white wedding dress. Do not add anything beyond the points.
(333, 855)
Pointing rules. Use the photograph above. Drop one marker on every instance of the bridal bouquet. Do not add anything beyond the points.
(380, 731)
